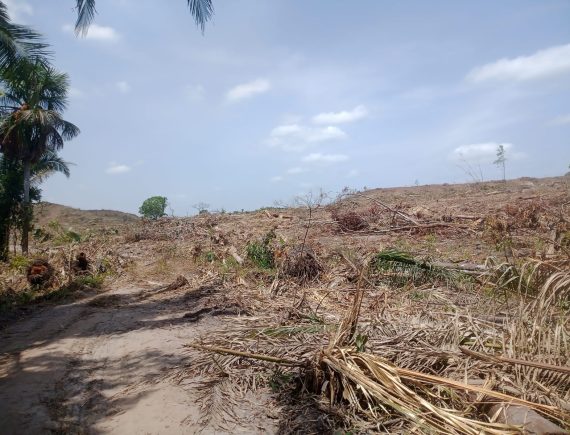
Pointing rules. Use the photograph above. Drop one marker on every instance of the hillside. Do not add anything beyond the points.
(353, 316)
(80, 220)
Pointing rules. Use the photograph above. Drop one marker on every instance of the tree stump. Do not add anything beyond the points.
(39, 272)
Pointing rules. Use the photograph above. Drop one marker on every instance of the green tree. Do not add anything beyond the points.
(201, 10)
(153, 207)
(501, 160)
(12, 191)
(35, 95)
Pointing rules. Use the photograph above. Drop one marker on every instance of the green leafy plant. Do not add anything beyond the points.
(19, 262)
(63, 236)
(401, 268)
(261, 254)
(360, 342)
(93, 281)
(279, 380)
(154, 207)
(210, 256)
(41, 235)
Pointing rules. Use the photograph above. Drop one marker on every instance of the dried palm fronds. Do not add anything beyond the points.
(372, 386)
(369, 387)
(548, 282)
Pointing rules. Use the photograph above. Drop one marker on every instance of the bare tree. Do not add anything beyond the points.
(310, 201)
(501, 160)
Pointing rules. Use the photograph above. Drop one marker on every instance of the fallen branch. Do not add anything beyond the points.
(502, 359)
(415, 376)
(419, 225)
(353, 267)
(399, 213)
(467, 217)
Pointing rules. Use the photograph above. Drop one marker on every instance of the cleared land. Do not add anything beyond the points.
(388, 310)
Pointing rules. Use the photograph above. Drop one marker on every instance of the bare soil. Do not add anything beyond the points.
(101, 365)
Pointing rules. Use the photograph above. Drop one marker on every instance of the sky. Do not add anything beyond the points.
(280, 98)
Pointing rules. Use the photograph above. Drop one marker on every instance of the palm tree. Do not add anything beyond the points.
(11, 190)
(34, 99)
(201, 10)
(18, 42)
(48, 164)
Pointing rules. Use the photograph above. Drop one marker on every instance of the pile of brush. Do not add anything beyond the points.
(414, 368)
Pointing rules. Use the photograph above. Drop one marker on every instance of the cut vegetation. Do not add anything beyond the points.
(445, 314)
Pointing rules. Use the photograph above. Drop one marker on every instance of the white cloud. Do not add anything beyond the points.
(247, 90)
(480, 152)
(276, 179)
(342, 117)
(96, 33)
(123, 87)
(298, 137)
(286, 130)
(324, 158)
(195, 92)
(561, 120)
(116, 168)
(18, 10)
(542, 64)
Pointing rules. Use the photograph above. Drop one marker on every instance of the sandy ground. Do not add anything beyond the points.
(101, 366)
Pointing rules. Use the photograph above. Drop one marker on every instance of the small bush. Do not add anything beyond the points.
(62, 236)
(42, 235)
(19, 263)
(210, 256)
(262, 254)
(93, 281)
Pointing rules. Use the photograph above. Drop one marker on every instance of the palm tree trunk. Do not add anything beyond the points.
(4, 240)
(27, 208)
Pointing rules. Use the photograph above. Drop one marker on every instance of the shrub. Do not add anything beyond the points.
(93, 281)
(19, 263)
(262, 253)
(153, 207)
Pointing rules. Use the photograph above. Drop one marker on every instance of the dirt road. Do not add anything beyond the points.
(101, 365)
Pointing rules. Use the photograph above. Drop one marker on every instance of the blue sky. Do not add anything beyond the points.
(281, 97)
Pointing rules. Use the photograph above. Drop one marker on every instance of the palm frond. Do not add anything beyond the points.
(400, 266)
(18, 42)
(49, 163)
(85, 14)
(202, 11)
